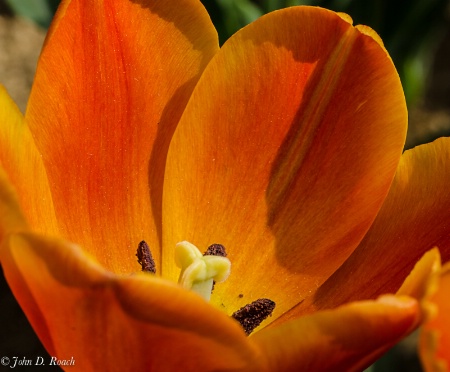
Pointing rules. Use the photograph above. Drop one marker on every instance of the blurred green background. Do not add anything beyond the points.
(412, 30)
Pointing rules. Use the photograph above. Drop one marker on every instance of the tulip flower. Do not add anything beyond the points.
(282, 150)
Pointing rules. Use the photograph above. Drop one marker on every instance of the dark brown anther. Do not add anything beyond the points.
(215, 250)
(250, 316)
(145, 258)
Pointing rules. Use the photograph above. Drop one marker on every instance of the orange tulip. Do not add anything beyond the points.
(282, 146)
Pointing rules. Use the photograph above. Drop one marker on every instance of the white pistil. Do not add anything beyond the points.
(198, 272)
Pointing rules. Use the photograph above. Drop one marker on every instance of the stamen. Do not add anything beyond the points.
(215, 250)
(145, 258)
(197, 271)
(251, 315)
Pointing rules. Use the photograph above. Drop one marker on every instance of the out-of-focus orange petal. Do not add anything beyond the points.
(413, 219)
(284, 154)
(23, 164)
(121, 323)
(348, 338)
(112, 81)
(434, 344)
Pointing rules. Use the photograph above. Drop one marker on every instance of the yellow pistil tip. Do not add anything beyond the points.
(198, 272)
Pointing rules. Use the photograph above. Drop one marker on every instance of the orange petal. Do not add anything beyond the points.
(349, 338)
(284, 154)
(23, 164)
(434, 344)
(112, 81)
(413, 219)
(120, 323)
(417, 282)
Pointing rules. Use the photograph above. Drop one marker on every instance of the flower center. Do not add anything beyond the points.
(199, 273)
